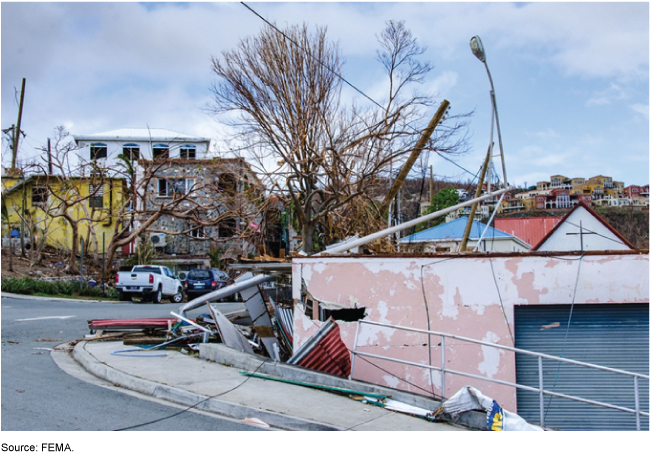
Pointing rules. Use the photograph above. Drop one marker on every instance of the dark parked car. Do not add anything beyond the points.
(199, 282)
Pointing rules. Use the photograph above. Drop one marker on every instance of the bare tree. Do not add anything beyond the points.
(281, 91)
(60, 194)
(209, 202)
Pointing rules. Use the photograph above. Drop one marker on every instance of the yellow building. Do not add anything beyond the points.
(44, 199)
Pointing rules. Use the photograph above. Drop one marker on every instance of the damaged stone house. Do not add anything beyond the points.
(222, 192)
(225, 191)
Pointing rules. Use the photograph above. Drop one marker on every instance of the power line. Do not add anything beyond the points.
(344, 80)
(310, 55)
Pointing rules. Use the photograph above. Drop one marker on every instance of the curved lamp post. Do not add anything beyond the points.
(477, 49)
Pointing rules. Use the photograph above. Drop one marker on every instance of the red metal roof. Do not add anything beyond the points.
(595, 215)
(530, 230)
(325, 352)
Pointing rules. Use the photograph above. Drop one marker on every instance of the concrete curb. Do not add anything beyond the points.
(183, 397)
(251, 362)
(36, 297)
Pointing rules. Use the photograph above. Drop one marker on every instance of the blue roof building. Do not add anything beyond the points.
(447, 238)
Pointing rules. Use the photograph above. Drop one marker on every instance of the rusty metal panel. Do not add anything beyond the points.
(325, 351)
(530, 230)
(129, 324)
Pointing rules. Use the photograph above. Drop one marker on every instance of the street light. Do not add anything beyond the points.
(478, 50)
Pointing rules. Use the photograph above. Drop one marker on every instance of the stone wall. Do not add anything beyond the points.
(206, 174)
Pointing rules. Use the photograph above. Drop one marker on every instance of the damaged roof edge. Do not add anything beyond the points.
(477, 254)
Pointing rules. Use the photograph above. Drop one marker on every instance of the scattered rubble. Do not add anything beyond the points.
(263, 328)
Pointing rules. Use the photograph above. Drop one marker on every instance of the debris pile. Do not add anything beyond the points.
(264, 327)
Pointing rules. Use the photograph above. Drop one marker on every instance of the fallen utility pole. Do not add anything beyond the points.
(377, 235)
(399, 180)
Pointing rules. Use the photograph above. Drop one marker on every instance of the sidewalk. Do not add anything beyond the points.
(222, 389)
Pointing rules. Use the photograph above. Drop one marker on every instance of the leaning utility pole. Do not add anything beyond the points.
(17, 130)
(399, 180)
(479, 188)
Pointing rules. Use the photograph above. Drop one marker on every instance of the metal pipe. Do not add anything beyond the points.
(478, 244)
(200, 327)
(636, 403)
(540, 372)
(354, 348)
(225, 292)
(442, 369)
(408, 224)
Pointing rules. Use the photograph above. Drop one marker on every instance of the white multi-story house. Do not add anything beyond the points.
(139, 143)
(181, 164)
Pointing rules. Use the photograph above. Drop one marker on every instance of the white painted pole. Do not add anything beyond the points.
(408, 224)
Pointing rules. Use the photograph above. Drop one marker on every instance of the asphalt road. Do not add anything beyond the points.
(38, 395)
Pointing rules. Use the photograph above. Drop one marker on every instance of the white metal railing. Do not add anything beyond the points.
(444, 370)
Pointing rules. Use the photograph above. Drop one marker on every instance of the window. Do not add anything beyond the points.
(98, 151)
(169, 187)
(131, 152)
(96, 200)
(160, 151)
(188, 152)
(162, 187)
(197, 232)
(227, 227)
(39, 196)
(227, 184)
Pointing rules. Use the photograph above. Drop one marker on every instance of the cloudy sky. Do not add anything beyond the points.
(571, 79)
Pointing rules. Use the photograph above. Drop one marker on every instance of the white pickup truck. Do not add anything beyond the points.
(149, 282)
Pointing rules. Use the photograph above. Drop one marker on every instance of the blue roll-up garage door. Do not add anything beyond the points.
(614, 336)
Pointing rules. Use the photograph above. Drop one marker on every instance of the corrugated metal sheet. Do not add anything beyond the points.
(285, 318)
(325, 351)
(615, 336)
(530, 230)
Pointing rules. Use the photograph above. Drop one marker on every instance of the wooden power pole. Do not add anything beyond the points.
(17, 130)
(470, 220)
(399, 180)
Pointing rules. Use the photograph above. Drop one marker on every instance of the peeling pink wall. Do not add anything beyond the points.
(455, 296)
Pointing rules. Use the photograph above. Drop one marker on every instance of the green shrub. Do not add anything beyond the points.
(28, 285)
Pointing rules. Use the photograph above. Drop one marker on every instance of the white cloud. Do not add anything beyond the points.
(641, 109)
(102, 66)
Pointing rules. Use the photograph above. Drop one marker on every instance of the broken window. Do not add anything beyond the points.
(160, 151)
(98, 151)
(39, 196)
(169, 187)
(198, 232)
(228, 184)
(344, 314)
(162, 187)
(227, 227)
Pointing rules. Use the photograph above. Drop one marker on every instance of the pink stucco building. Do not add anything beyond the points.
(474, 296)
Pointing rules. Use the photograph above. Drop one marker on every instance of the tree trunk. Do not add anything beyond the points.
(72, 265)
(308, 230)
